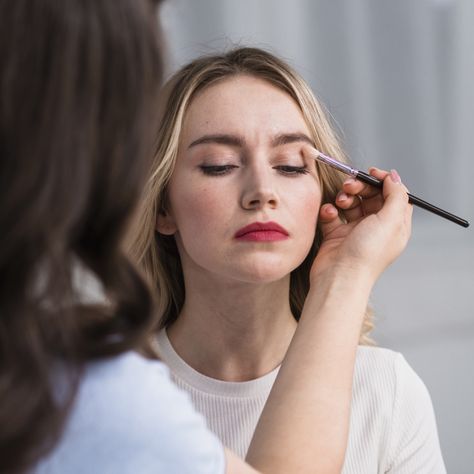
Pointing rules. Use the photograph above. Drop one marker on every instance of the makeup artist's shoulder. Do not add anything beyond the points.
(110, 373)
(130, 384)
(128, 406)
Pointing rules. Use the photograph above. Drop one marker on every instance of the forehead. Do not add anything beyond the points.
(243, 105)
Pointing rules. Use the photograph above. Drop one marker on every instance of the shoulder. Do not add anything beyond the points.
(386, 371)
(128, 417)
(391, 401)
(384, 381)
(127, 378)
(374, 356)
(376, 374)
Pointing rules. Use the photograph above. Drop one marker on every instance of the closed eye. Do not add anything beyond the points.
(292, 170)
(217, 170)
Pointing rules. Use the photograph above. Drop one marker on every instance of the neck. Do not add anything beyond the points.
(234, 332)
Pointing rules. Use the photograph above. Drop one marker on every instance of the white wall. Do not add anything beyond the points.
(398, 78)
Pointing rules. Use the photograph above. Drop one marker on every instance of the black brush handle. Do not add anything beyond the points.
(368, 179)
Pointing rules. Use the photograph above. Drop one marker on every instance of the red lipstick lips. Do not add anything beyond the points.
(262, 232)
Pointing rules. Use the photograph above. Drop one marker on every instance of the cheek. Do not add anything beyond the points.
(306, 201)
(196, 209)
(311, 206)
(308, 212)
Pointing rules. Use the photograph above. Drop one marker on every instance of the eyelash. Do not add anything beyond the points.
(221, 170)
(217, 170)
(292, 170)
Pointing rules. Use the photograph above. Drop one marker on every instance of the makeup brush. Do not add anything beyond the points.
(368, 179)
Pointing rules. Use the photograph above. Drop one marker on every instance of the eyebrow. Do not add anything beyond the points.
(287, 138)
(237, 141)
(221, 139)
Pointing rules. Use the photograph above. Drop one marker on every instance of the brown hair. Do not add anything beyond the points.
(157, 254)
(78, 90)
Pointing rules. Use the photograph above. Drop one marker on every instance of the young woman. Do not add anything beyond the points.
(78, 90)
(240, 237)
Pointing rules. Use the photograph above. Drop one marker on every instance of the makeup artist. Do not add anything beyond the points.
(78, 91)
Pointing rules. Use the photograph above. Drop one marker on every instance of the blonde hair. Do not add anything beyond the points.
(157, 254)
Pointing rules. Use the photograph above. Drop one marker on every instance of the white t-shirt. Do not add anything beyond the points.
(128, 418)
(392, 427)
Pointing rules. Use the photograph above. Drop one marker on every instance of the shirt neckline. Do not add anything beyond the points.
(203, 383)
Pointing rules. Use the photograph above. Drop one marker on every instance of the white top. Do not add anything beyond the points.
(392, 430)
(128, 418)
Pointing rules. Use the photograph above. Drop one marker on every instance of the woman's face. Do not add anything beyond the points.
(240, 164)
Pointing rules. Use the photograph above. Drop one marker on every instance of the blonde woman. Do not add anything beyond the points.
(245, 237)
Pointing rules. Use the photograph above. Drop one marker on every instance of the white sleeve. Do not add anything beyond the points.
(128, 418)
(414, 444)
(180, 434)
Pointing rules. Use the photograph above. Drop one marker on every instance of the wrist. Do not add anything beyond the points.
(339, 298)
(343, 273)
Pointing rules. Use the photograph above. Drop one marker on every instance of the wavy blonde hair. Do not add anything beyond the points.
(157, 254)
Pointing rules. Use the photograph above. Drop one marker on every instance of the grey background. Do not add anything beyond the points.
(398, 78)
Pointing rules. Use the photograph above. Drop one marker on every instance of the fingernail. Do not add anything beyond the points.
(395, 176)
(349, 181)
(341, 196)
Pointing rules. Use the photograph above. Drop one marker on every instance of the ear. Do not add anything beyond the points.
(165, 223)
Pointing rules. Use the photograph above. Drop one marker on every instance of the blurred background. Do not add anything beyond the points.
(398, 79)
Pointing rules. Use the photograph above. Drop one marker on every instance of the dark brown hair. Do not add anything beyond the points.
(78, 90)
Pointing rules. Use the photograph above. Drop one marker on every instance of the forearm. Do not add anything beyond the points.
(308, 411)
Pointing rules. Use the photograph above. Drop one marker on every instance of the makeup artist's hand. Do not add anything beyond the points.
(377, 229)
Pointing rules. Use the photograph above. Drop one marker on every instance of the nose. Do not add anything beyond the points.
(259, 190)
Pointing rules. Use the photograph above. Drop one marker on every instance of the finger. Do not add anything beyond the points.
(328, 219)
(354, 186)
(357, 206)
(382, 174)
(350, 205)
(371, 197)
(396, 207)
(378, 173)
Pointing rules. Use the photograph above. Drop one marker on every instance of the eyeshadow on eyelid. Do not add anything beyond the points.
(218, 160)
(293, 160)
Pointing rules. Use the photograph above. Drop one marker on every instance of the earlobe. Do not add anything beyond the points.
(165, 224)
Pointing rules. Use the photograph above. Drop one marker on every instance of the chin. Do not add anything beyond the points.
(264, 272)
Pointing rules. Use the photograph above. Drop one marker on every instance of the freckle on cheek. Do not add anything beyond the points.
(203, 205)
(310, 208)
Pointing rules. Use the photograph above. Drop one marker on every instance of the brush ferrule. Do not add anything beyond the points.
(337, 165)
